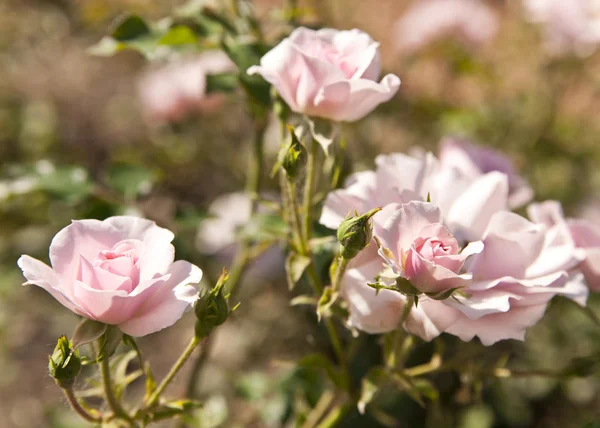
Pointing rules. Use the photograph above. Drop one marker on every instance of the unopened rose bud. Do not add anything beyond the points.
(355, 233)
(291, 156)
(64, 363)
(212, 309)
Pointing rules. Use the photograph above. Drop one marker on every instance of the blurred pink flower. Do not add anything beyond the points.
(328, 73)
(585, 235)
(170, 93)
(417, 246)
(119, 271)
(473, 161)
(569, 26)
(427, 21)
(466, 202)
(218, 235)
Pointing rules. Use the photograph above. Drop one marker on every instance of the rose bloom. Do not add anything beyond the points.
(418, 247)
(585, 235)
(569, 26)
(466, 202)
(426, 21)
(119, 271)
(522, 266)
(328, 73)
(170, 93)
(474, 160)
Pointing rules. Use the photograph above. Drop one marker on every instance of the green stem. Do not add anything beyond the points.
(255, 163)
(341, 270)
(76, 406)
(309, 185)
(334, 417)
(111, 399)
(295, 218)
(173, 372)
(319, 410)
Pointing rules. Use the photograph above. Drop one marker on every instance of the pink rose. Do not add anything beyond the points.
(585, 235)
(170, 93)
(328, 73)
(427, 21)
(473, 161)
(119, 271)
(466, 202)
(419, 247)
(521, 268)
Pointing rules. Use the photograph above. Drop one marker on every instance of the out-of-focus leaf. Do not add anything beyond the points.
(130, 27)
(264, 227)
(319, 362)
(253, 386)
(328, 298)
(426, 388)
(130, 180)
(370, 386)
(295, 265)
(245, 55)
(87, 331)
(178, 35)
(69, 183)
(404, 383)
(225, 82)
(304, 300)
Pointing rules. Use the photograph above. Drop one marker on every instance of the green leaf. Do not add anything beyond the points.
(109, 342)
(130, 180)
(304, 300)
(295, 265)
(406, 384)
(319, 362)
(174, 408)
(178, 35)
(87, 331)
(328, 298)
(370, 386)
(68, 183)
(225, 82)
(426, 389)
(130, 27)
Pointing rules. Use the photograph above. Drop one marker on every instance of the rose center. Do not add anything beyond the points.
(329, 53)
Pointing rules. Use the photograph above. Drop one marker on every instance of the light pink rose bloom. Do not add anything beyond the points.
(569, 26)
(119, 271)
(473, 161)
(170, 93)
(328, 73)
(426, 21)
(418, 247)
(522, 266)
(467, 203)
(585, 235)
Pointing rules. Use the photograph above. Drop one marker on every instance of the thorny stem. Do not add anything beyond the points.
(173, 372)
(76, 406)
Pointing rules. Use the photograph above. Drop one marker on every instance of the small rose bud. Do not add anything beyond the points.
(212, 309)
(64, 363)
(291, 156)
(355, 233)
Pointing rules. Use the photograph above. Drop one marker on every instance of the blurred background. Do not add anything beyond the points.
(79, 139)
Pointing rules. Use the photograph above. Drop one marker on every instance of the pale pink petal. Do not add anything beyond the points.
(43, 276)
(404, 225)
(168, 303)
(471, 212)
(81, 238)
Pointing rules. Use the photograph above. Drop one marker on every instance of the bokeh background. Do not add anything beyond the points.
(74, 144)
